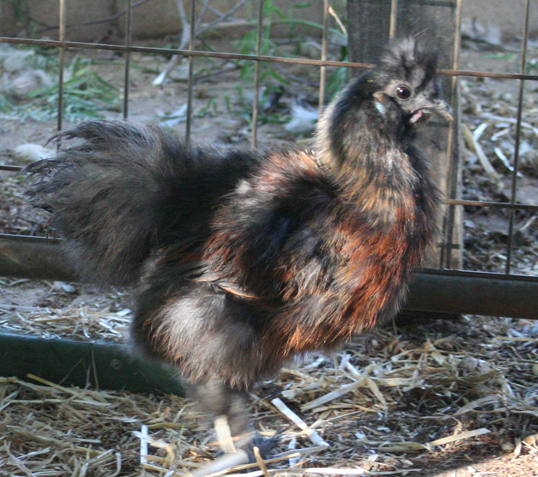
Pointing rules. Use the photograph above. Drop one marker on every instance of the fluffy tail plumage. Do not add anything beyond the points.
(120, 192)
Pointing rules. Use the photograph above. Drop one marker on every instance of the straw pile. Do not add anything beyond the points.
(402, 401)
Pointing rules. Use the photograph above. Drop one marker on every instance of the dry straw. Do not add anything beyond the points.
(387, 405)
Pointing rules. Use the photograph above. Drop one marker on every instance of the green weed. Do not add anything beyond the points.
(85, 95)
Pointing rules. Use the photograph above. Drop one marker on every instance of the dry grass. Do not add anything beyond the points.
(392, 403)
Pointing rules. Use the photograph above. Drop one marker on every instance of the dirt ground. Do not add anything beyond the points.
(432, 379)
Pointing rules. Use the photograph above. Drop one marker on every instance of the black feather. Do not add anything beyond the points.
(244, 259)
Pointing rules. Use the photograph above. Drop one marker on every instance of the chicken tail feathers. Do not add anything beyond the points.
(109, 189)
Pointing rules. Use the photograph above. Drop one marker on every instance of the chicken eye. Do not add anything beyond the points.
(403, 92)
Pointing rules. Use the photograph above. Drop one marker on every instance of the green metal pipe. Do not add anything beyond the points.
(103, 365)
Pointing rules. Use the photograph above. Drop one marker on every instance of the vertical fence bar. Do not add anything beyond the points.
(257, 73)
(323, 69)
(513, 192)
(190, 82)
(453, 160)
(128, 39)
(452, 183)
(61, 37)
(393, 19)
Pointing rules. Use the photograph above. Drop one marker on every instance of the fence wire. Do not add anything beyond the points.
(453, 201)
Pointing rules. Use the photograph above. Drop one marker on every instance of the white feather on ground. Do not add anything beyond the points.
(31, 152)
(302, 120)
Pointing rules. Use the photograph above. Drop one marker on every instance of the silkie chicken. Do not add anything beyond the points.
(244, 259)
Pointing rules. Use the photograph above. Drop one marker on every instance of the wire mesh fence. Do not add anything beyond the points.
(312, 55)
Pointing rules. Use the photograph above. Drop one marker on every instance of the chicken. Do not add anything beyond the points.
(244, 259)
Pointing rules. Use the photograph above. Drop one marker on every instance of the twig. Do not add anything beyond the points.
(198, 30)
(222, 463)
(474, 145)
(460, 436)
(224, 17)
(201, 15)
(332, 471)
(13, 302)
(217, 73)
(92, 22)
(337, 18)
(185, 36)
(16, 461)
(285, 455)
(118, 465)
(297, 79)
(286, 411)
(317, 470)
(510, 121)
(260, 461)
(333, 395)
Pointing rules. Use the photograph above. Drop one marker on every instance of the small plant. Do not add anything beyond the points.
(85, 94)
(208, 109)
(269, 47)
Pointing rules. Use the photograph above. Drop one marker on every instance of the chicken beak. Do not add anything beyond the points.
(443, 109)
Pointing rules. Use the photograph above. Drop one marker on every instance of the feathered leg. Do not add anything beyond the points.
(229, 408)
(235, 437)
(211, 336)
